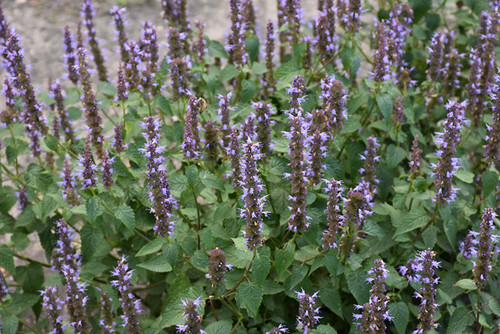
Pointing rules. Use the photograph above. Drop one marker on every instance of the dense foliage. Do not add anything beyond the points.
(333, 177)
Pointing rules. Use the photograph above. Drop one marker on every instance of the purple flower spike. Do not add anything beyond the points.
(467, 247)
(4, 290)
(180, 78)
(356, 210)
(62, 115)
(200, 48)
(333, 210)
(398, 116)
(436, 57)
(192, 143)
(234, 153)
(69, 192)
(122, 86)
(87, 14)
(192, 317)
(368, 171)
(118, 140)
(278, 330)
(4, 28)
(264, 123)
(427, 291)
(448, 164)
(251, 189)
(107, 170)
(268, 80)
(54, 307)
(350, 15)
(11, 113)
(492, 148)
(150, 57)
(132, 75)
(318, 151)
(381, 67)
(163, 203)
(107, 322)
(482, 266)
(22, 197)
(131, 306)
(308, 312)
(415, 157)
(325, 31)
(70, 56)
(211, 141)
(224, 112)
(175, 43)
(120, 19)
(236, 43)
(88, 168)
(334, 96)
(218, 267)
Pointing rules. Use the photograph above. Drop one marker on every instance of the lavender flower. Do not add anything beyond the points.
(448, 164)
(107, 170)
(118, 140)
(298, 220)
(87, 14)
(381, 67)
(119, 16)
(224, 112)
(192, 317)
(251, 189)
(53, 305)
(398, 116)
(107, 322)
(325, 33)
(492, 148)
(4, 290)
(64, 254)
(264, 123)
(249, 16)
(62, 115)
(451, 71)
(333, 213)
(334, 98)
(132, 75)
(122, 86)
(308, 312)
(162, 201)
(234, 153)
(474, 91)
(69, 192)
(4, 28)
(22, 197)
(200, 48)
(236, 43)
(175, 43)
(400, 19)
(248, 128)
(149, 48)
(356, 210)
(436, 57)
(427, 292)
(415, 157)
(192, 142)
(268, 80)
(218, 267)
(482, 266)
(467, 247)
(350, 15)
(411, 270)
(180, 78)
(175, 12)
(87, 166)
(90, 103)
(131, 306)
(318, 151)
(10, 114)
(293, 16)
(368, 170)
(70, 56)
(211, 141)
(278, 330)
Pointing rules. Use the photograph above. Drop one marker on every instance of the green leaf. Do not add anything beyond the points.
(324, 329)
(450, 217)
(420, 8)
(94, 208)
(49, 205)
(178, 182)
(37, 177)
(29, 277)
(162, 103)
(400, 314)
(279, 195)
(7, 199)
(252, 44)
(358, 287)
(416, 218)
(51, 142)
(210, 180)
(106, 88)
(248, 90)
(460, 320)
(9, 323)
(351, 125)
(127, 216)
(219, 327)
(258, 68)
(283, 259)
(158, 264)
(394, 156)
(229, 72)
(91, 240)
(466, 284)
(331, 298)
(216, 49)
(7, 259)
(372, 228)
(490, 181)
(298, 274)
(249, 297)
(152, 247)
(464, 175)
(385, 105)
(22, 302)
(261, 267)
(331, 262)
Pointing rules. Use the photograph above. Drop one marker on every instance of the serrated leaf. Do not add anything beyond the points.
(29, 277)
(358, 287)
(158, 264)
(178, 182)
(279, 196)
(152, 247)
(91, 240)
(22, 302)
(229, 72)
(216, 49)
(372, 228)
(49, 205)
(252, 46)
(394, 156)
(351, 125)
(9, 323)
(7, 259)
(416, 218)
(126, 215)
(219, 327)
(466, 284)
(324, 329)
(464, 175)
(248, 90)
(400, 316)
(385, 105)
(162, 103)
(331, 298)
(460, 320)
(94, 208)
(106, 88)
(283, 259)
(490, 181)
(249, 297)
(37, 177)
(298, 274)
(261, 267)
(210, 180)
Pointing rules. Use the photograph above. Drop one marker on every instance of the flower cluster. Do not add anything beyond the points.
(211, 141)
(356, 210)
(334, 96)
(87, 14)
(268, 80)
(448, 164)
(192, 318)
(192, 143)
(435, 60)
(107, 322)
(218, 267)
(224, 112)
(317, 151)
(62, 115)
(278, 330)
(492, 148)
(427, 291)
(325, 31)
(119, 17)
(398, 116)
(107, 170)
(70, 55)
(350, 15)
(308, 312)
(53, 305)
(201, 46)
(132, 75)
(69, 192)
(333, 213)
(131, 306)
(10, 114)
(381, 67)
(236, 42)
(264, 123)
(485, 240)
(162, 201)
(87, 166)
(149, 54)
(415, 157)
(180, 78)
(122, 86)
(4, 290)
(234, 154)
(117, 143)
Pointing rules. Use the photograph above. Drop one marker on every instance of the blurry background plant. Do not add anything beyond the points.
(288, 179)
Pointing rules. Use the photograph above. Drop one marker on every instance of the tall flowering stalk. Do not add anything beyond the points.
(492, 148)
(192, 143)
(482, 265)
(334, 217)
(62, 115)
(399, 23)
(448, 164)
(298, 220)
(381, 64)
(87, 166)
(234, 153)
(268, 80)
(180, 78)
(162, 201)
(435, 70)
(350, 15)
(317, 151)
(11, 113)
(131, 306)
(4, 28)
(374, 315)
(211, 141)
(69, 192)
(451, 69)
(192, 324)
(200, 48)
(131, 67)
(278, 330)
(415, 157)
(54, 307)
(119, 17)
(149, 53)
(308, 312)
(70, 56)
(122, 86)
(224, 112)
(4, 290)
(87, 14)
(117, 143)
(334, 97)
(264, 123)
(236, 42)
(356, 210)
(218, 267)
(427, 291)
(107, 321)
(368, 170)
(325, 31)
(107, 170)
(251, 188)
(175, 43)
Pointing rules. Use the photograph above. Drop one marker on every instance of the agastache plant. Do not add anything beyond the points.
(224, 112)
(264, 123)
(334, 217)
(131, 306)
(70, 55)
(131, 70)
(268, 80)
(435, 70)
(308, 312)
(368, 170)
(334, 97)
(278, 330)
(217, 271)
(162, 201)
(200, 48)
(87, 14)
(381, 67)
(251, 188)
(427, 291)
(54, 307)
(325, 32)
(87, 167)
(62, 115)
(180, 78)
(211, 141)
(107, 170)
(234, 154)
(119, 17)
(236, 42)
(149, 53)
(492, 148)
(4, 290)
(107, 322)
(69, 193)
(415, 157)
(482, 266)
(298, 220)
(448, 163)
(192, 324)
(192, 142)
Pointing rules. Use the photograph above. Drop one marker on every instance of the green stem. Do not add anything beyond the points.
(242, 277)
